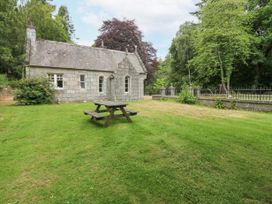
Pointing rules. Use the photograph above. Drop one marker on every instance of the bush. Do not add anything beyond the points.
(219, 104)
(34, 91)
(186, 96)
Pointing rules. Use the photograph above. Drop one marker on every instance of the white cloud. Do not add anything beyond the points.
(159, 20)
(151, 16)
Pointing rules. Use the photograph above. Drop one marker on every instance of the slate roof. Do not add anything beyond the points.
(64, 55)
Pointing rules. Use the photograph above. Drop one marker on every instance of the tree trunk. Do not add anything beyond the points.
(228, 85)
(222, 73)
(189, 73)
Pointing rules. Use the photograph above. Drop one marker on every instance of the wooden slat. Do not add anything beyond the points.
(131, 112)
(96, 115)
(110, 103)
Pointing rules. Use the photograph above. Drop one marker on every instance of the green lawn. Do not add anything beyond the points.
(171, 153)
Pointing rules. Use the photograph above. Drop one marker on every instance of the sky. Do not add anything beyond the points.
(159, 20)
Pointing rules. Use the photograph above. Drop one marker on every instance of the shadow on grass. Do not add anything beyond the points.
(113, 122)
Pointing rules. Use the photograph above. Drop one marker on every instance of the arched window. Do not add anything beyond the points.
(127, 80)
(101, 83)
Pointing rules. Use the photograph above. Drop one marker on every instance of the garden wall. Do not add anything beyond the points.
(6, 95)
(261, 106)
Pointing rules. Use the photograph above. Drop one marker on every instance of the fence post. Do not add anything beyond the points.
(198, 93)
(172, 90)
(191, 90)
(163, 91)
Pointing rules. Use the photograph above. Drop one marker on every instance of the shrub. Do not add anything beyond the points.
(13, 84)
(186, 96)
(219, 104)
(34, 91)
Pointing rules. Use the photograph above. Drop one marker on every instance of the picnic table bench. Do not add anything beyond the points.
(111, 108)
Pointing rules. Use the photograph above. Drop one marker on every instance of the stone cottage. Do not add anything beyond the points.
(81, 73)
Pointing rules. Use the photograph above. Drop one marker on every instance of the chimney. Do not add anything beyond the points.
(30, 41)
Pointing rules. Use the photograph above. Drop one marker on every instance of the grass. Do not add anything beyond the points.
(171, 153)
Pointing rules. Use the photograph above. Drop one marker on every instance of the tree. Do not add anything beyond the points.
(162, 76)
(222, 39)
(261, 46)
(39, 13)
(64, 19)
(125, 34)
(11, 40)
(13, 21)
(182, 51)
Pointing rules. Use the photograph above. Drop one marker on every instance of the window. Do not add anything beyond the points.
(127, 84)
(82, 81)
(51, 79)
(101, 82)
(56, 80)
(59, 81)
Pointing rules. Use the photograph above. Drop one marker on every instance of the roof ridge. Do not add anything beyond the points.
(84, 46)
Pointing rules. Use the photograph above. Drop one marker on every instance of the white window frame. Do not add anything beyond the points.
(82, 82)
(127, 84)
(55, 78)
(103, 84)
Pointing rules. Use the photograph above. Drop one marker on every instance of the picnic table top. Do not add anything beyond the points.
(110, 103)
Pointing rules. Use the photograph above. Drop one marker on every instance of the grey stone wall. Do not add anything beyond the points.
(136, 83)
(114, 89)
(262, 106)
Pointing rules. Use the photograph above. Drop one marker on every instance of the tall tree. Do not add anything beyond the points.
(39, 13)
(13, 21)
(182, 51)
(125, 34)
(222, 39)
(11, 54)
(261, 46)
(64, 19)
(162, 76)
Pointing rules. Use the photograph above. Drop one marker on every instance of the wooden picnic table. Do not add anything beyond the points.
(111, 108)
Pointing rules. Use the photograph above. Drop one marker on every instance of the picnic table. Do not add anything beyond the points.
(111, 108)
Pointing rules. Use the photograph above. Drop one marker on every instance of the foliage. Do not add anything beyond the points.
(11, 48)
(186, 96)
(260, 60)
(170, 154)
(14, 17)
(34, 91)
(3, 81)
(125, 34)
(219, 104)
(39, 13)
(222, 38)
(231, 45)
(182, 51)
(162, 75)
(64, 19)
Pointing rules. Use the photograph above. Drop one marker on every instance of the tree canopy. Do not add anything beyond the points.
(230, 46)
(16, 17)
(125, 34)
